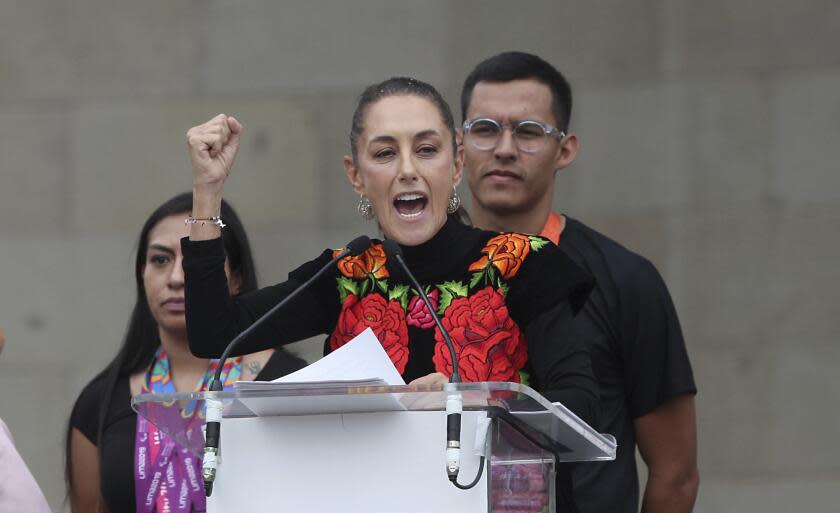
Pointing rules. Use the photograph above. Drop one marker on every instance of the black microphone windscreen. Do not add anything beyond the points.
(358, 245)
(391, 247)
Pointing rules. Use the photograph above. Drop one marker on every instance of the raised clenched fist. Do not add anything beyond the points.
(213, 146)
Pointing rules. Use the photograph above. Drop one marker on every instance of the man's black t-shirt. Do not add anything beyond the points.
(638, 355)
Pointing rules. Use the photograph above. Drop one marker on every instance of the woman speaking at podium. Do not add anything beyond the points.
(503, 298)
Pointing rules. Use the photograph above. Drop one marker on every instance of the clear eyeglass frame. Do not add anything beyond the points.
(529, 135)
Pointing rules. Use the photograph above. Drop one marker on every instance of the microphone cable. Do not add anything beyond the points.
(454, 402)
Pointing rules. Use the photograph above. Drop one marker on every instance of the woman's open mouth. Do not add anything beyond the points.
(410, 205)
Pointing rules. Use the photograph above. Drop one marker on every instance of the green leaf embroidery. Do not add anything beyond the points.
(476, 277)
(448, 291)
(399, 292)
(537, 243)
(492, 276)
(365, 288)
(382, 284)
(457, 288)
(346, 287)
(503, 287)
(445, 300)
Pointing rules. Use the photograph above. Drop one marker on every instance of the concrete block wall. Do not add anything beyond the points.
(708, 140)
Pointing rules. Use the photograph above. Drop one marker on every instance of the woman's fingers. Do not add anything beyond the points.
(234, 125)
(210, 136)
(234, 132)
(435, 378)
(213, 147)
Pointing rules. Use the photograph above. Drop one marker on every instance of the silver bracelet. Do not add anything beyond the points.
(217, 220)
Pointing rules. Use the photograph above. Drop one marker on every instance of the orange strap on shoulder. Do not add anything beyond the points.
(553, 227)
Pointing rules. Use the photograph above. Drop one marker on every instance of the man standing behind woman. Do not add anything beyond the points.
(516, 109)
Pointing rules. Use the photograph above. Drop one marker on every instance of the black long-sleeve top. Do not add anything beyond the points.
(505, 300)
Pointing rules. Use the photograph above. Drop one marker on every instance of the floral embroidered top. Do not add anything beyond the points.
(500, 297)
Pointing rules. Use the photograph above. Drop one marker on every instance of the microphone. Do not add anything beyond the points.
(454, 402)
(394, 249)
(213, 415)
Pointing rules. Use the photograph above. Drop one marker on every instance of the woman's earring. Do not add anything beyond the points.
(454, 202)
(365, 208)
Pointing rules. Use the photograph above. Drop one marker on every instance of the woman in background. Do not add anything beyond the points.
(108, 444)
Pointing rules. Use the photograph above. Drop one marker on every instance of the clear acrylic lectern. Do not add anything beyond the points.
(380, 448)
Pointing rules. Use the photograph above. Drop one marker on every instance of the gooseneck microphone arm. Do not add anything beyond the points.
(454, 402)
(393, 249)
(214, 406)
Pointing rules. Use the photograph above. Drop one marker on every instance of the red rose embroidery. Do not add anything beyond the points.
(418, 313)
(488, 343)
(386, 319)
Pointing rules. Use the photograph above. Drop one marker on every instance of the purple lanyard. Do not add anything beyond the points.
(166, 475)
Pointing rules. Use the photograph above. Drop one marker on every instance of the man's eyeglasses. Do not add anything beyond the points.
(530, 136)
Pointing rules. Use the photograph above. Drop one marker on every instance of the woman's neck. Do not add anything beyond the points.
(185, 368)
(437, 256)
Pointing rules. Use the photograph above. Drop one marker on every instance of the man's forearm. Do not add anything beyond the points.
(671, 494)
(667, 441)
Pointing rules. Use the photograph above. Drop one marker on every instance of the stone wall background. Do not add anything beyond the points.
(709, 134)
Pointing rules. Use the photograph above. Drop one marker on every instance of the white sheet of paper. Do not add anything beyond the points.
(362, 361)
(361, 358)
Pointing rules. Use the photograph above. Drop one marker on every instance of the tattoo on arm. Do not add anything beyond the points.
(254, 368)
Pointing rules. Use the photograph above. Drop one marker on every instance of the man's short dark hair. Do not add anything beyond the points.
(509, 66)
